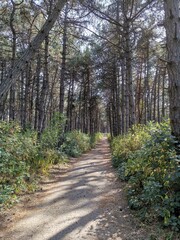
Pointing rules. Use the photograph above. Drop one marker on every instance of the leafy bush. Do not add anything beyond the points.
(22, 158)
(76, 143)
(95, 138)
(151, 166)
(123, 146)
(50, 136)
(18, 150)
(53, 156)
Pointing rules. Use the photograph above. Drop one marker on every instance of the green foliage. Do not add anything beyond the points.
(95, 138)
(50, 136)
(148, 161)
(53, 156)
(22, 158)
(109, 138)
(123, 146)
(17, 151)
(76, 143)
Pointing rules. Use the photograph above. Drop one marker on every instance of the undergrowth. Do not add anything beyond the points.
(22, 159)
(147, 159)
(24, 156)
(76, 142)
(95, 138)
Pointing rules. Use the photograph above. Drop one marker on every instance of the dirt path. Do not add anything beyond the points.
(84, 201)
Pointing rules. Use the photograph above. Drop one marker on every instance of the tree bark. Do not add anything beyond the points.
(12, 89)
(37, 100)
(172, 24)
(3, 103)
(63, 65)
(44, 90)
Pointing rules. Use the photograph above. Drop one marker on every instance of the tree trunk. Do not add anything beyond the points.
(63, 65)
(129, 77)
(12, 89)
(37, 103)
(172, 24)
(123, 102)
(155, 94)
(3, 103)
(146, 86)
(163, 93)
(45, 87)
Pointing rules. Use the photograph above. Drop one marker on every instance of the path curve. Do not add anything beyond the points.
(85, 201)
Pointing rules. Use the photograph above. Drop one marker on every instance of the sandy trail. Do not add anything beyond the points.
(85, 201)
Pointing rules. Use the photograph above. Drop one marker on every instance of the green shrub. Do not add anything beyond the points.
(123, 146)
(95, 138)
(109, 138)
(76, 143)
(22, 158)
(53, 156)
(148, 160)
(51, 135)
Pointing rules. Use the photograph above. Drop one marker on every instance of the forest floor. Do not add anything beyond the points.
(81, 200)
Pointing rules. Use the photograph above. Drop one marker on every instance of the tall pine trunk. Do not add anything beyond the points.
(172, 24)
(63, 65)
